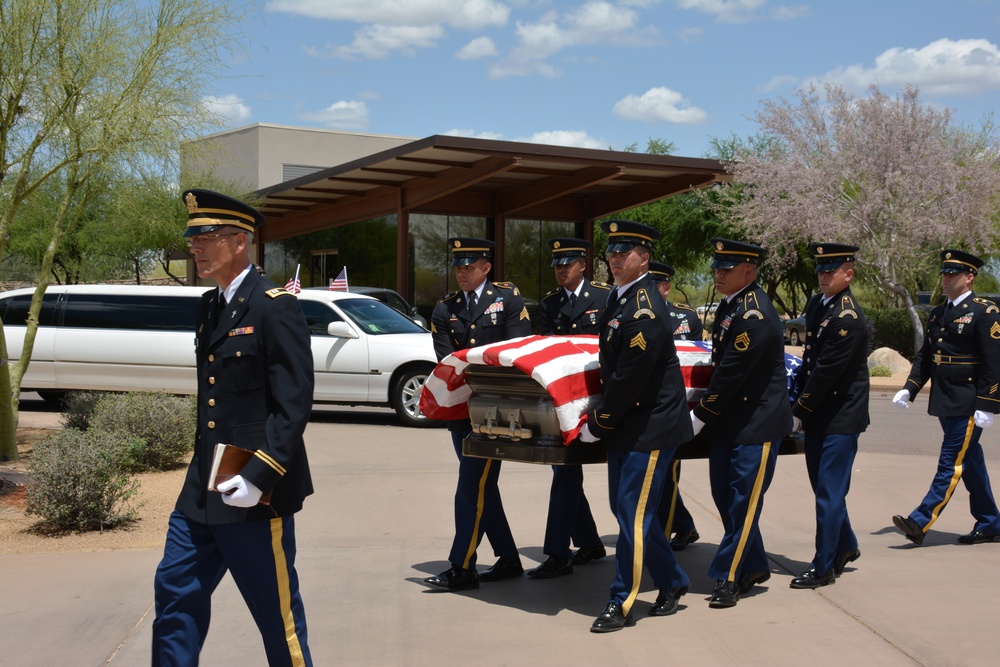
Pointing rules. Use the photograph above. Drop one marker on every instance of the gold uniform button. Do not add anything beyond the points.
(472, 342)
(239, 354)
(211, 358)
(211, 424)
(574, 326)
(211, 402)
(473, 327)
(211, 380)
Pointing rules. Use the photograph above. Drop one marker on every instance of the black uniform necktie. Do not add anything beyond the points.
(572, 299)
(472, 301)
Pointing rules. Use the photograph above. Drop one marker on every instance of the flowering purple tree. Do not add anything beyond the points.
(887, 174)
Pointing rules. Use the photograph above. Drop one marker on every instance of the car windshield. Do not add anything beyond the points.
(374, 317)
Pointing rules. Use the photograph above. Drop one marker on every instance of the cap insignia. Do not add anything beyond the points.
(191, 201)
(819, 250)
(719, 246)
(556, 245)
(947, 255)
(613, 226)
(458, 244)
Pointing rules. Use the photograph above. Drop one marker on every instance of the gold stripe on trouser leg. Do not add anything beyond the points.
(638, 543)
(285, 592)
(956, 473)
(480, 503)
(668, 526)
(758, 484)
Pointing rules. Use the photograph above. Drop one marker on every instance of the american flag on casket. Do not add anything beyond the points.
(566, 367)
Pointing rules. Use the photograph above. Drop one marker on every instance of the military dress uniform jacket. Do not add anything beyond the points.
(747, 397)
(500, 314)
(559, 317)
(643, 403)
(833, 380)
(961, 357)
(684, 322)
(255, 388)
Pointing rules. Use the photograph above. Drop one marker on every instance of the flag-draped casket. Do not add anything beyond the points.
(527, 397)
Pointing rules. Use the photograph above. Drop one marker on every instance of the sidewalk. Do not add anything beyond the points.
(381, 521)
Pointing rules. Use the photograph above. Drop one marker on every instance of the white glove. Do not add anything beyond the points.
(238, 492)
(696, 424)
(796, 424)
(586, 435)
(902, 398)
(983, 419)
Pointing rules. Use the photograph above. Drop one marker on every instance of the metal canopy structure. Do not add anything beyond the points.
(495, 180)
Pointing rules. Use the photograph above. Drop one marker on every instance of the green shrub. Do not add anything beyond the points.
(80, 480)
(893, 329)
(78, 406)
(880, 372)
(166, 423)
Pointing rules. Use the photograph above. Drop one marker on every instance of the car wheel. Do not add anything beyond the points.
(52, 397)
(405, 398)
(793, 337)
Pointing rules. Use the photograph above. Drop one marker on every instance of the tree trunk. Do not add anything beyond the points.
(8, 406)
(911, 310)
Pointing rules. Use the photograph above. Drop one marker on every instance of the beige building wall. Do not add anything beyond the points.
(255, 156)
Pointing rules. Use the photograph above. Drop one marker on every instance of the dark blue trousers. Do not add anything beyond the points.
(739, 475)
(672, 514)
(961, 458)
(569, 514)
(260, 555)
(829, 461)
(478, 509)
(635, 483)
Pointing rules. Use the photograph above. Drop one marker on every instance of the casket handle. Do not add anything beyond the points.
(512, 430)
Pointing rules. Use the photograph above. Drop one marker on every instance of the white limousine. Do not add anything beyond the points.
(141, 338)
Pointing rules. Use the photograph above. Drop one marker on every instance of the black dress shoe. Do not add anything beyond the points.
(584, 556)
(978, 537)
(843, 558)
(752, 579)
(726, 594)
(667, 601)
(682, 538)
(502, 569)
(454, 579)
(611, 619)
(552, 567)
(911, 528)
(809, 579)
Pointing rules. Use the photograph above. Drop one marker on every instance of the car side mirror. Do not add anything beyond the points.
(341, 330)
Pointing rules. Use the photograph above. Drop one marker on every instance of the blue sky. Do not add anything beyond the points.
(597, 73)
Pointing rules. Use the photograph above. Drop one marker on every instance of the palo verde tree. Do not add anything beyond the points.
(885, 173)
(93, 92)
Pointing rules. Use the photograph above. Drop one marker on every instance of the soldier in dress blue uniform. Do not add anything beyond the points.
(745, 415)
(832, 387)
(685, 324)
(961, 358)
(255, 388)
(480, 312)
(641, 417)
(572, 308)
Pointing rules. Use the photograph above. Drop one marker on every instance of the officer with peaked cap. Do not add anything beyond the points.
(832, 407)
(961, 358)
(255, 389)
(641, 418)
(478, 313)
(745, 415)
(685, 325)
(573, 308)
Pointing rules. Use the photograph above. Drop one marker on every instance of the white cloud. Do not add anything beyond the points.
(378, 41)
(594, 22)
(342, 115)
(659, 105)
(462, 132)
(944, 67)
(480, 47)
(464, 14)
(786, 12)
(228, 106)
(574, 138)
(725, 11)
(690, 34)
